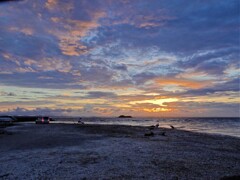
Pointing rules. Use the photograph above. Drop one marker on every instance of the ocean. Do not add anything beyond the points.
(220, 126)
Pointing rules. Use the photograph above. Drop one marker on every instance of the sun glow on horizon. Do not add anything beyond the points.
(91, 59)
(156, 101)
(155, 110)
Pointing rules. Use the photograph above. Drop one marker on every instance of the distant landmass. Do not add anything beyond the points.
(123, 116)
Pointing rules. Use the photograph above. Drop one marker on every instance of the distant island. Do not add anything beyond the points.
(123, 116)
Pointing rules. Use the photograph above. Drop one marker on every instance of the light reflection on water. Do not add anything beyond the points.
(222, 126)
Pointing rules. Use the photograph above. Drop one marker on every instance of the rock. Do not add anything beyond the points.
(149, 134)
(230, 178)
(9, 133)
(123, 116)
(2, 131)
(174, 178)
(4, 175)
(151, 127)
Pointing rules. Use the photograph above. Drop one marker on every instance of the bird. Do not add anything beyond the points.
(157, 125)
(172, 126)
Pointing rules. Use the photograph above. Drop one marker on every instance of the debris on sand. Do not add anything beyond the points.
(80, 121)
(151, 127)
(4, 175)
(149, 134)
(230, 178)
(2, 131)
(163, 134)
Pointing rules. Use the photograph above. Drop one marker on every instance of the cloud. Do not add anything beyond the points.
(211, 61)
(2, 93)
(38, 111)
(121, 67)
(205, 109)
(182, 82)
(113, 49)
(49, 79)
(25, 31)
(74, 30)
(141, 78)
(232, 85)
(50, 4)
(99, 94)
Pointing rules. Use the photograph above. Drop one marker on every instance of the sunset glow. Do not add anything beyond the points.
(106, 58)
(156, 101)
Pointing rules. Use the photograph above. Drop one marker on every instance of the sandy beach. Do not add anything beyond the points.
(74, 151)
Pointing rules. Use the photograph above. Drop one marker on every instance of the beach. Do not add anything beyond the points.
(76, 151)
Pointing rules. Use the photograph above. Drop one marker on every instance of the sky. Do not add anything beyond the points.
(152, 58)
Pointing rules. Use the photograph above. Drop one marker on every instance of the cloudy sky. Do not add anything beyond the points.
(111, 57)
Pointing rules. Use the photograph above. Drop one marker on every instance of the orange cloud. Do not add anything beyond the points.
(182, 82)
(60, 6)
(75, 30)
(50, 4)
(26, 31)
(154, 110)
(150, 24)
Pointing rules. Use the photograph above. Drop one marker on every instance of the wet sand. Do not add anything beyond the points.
(68, 151)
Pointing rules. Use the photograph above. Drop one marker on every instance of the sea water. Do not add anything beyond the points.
(221, 126)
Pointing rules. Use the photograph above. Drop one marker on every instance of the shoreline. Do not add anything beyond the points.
(74, 151)
(146, 126)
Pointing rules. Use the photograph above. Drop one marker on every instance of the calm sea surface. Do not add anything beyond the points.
(222, 126)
